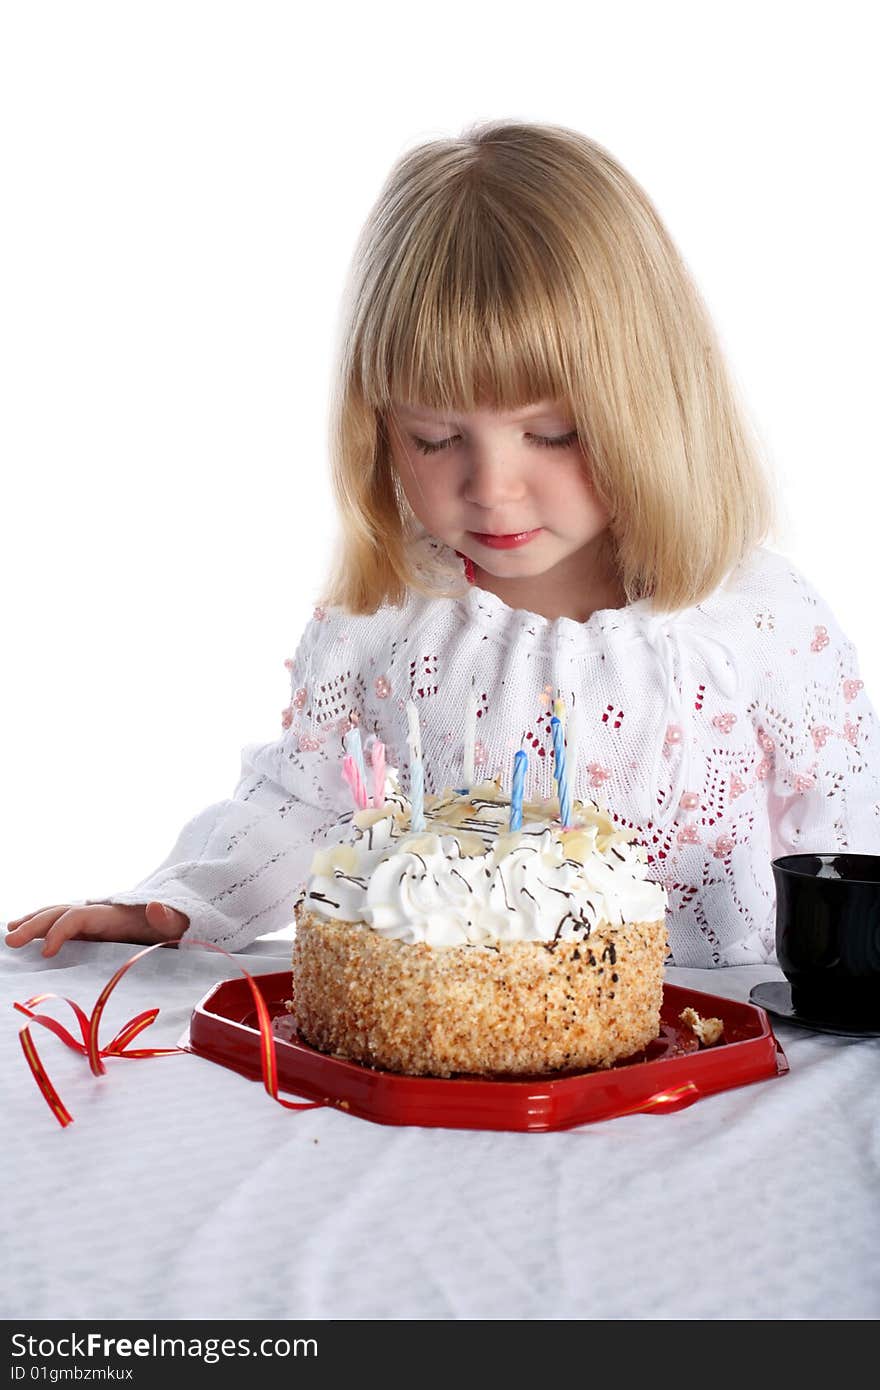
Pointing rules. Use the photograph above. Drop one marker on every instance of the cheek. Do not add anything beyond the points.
(569, 494)
(434, 480)
(430, 490)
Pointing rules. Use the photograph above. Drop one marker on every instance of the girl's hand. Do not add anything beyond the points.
(143, 925)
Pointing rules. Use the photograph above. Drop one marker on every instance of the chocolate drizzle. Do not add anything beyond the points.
(487, 819)
(579, 921)
(507, 901)
(322, 898)
(551, 888)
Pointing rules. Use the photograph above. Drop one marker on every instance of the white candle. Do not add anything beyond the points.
(416, 771)
(377, 758)
(414, 738)
(353, 745)
(572, 751)
(470, 738)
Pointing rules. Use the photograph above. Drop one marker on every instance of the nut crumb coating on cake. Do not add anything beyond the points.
(512, 1007)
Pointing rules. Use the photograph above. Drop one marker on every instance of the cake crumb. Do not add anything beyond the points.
(708, 1030)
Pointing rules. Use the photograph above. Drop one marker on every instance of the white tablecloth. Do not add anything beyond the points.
(182, 1191)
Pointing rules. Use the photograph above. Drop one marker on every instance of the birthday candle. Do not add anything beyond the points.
(416, 771)
(470, 737)
(377, 758)
(352, 743)
(559, 770)
(559, 710)
(520, 767)
(351, 773)
(571, 751)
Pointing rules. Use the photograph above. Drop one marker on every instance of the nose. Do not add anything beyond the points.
(492, 481)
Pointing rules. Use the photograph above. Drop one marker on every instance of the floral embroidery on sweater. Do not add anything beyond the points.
(767, 750)
(722, 736)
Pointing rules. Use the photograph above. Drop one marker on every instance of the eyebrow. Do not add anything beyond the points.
(545, 408)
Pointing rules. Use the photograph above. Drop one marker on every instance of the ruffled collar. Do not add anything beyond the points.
(557, 634)
(520, 625)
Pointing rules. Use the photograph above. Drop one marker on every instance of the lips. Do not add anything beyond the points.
(506, 541)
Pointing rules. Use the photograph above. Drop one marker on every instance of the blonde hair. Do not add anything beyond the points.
(518, 263)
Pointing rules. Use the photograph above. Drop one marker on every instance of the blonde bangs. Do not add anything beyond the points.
(522, 263)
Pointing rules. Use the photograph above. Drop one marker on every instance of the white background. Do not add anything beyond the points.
(182, 187)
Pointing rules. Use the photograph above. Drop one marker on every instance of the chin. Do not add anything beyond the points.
(526, 562)
(508, 564)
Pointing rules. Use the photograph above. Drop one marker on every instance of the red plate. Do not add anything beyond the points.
(668, 1075)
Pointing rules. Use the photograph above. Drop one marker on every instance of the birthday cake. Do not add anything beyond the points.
(465, 947)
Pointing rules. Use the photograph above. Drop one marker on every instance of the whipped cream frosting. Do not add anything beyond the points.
(466, 879)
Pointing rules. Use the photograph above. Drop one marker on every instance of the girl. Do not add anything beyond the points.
(545, 484)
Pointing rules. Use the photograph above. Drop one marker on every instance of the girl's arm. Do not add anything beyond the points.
(236, 868)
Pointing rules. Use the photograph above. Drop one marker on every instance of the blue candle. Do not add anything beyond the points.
(559, 770)
(520, 767)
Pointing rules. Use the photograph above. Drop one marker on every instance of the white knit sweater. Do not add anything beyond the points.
(724, 735)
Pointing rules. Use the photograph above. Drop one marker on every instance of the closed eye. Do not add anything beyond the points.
(563, 441)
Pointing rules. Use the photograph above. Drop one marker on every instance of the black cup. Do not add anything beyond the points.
(828, 933)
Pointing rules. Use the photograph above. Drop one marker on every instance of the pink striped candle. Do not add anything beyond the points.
(377, 758)
(351, 773)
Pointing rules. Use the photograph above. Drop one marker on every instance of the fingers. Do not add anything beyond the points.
(18, 921)
(167, 922)
(34, 924)
(98, 922)
(76, 921)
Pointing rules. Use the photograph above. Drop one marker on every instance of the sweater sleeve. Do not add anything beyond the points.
(237, 867)
(818, 733)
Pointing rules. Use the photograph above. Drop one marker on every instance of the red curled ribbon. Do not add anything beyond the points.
(119, 1047)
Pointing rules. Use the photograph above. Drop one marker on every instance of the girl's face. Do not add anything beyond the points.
(510, 490)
